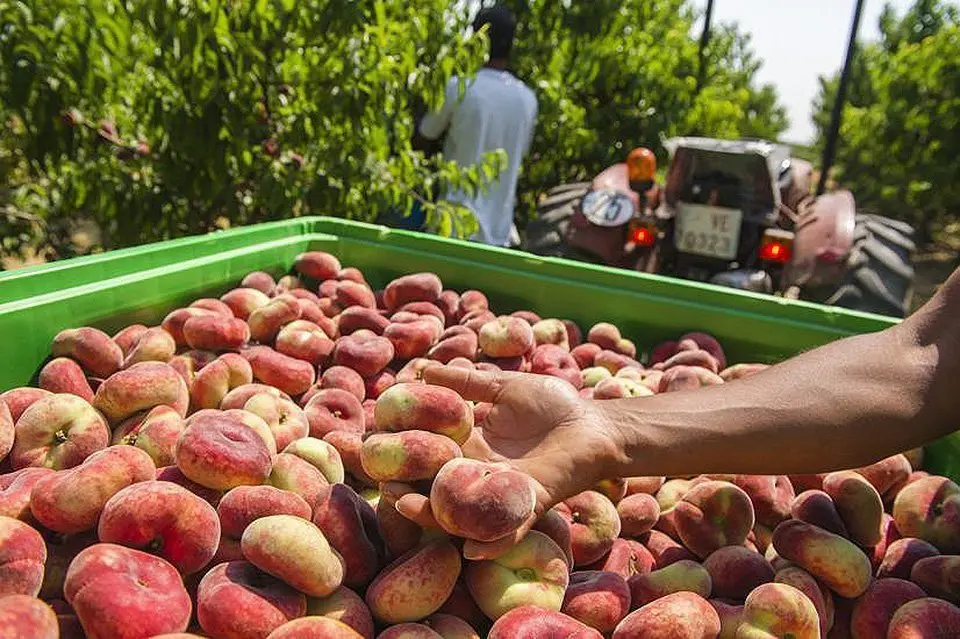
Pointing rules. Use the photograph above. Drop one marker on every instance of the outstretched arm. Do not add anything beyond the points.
(843, 405)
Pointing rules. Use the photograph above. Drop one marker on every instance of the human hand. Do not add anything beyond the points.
(539, 426)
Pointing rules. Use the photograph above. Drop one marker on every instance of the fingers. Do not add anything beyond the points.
(477, 386)
(416, 508)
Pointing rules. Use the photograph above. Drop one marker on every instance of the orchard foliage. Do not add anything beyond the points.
(899, 151)
(159, 118)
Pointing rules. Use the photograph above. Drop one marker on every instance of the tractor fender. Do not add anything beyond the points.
(617, 178)
(823, 238)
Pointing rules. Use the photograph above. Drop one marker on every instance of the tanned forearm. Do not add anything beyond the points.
(843, 405)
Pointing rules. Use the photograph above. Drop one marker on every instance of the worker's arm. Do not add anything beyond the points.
(432, 127)
(843, 405)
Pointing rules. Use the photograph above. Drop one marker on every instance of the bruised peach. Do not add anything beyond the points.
(424, 407)
(91, 347)
(478, 501)
(406, 456)
(125, 593)
(141, 387)
(416, 584)
(350, 526)
(399, 534)
(295, 551)
(680, 615)
(72, 501)
(63, 375)
(236, 599)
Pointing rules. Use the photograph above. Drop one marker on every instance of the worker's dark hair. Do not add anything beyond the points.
(503, 25)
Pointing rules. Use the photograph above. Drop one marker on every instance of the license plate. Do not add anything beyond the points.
(708, 230)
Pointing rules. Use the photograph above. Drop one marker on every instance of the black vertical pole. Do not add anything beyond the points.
(704, 41)
(830, 148)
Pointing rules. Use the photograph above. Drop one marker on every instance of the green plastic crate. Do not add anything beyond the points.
(142, 284)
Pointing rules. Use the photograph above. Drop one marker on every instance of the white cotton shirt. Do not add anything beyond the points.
(497, 111)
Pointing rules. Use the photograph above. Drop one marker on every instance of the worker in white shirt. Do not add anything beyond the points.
(497, 111)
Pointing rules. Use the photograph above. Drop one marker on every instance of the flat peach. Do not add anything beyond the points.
(164, 518)
(416, 584)
(125, 593)
(295, 551)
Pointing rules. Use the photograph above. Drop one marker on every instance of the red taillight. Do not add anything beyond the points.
(775, 252)
(643, 236)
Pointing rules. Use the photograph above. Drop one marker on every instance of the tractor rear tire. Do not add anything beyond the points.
(546, 235)
(880, 276)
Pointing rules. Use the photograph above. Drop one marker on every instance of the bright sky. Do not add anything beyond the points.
(799, 41)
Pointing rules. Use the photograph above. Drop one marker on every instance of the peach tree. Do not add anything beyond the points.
(158, 118)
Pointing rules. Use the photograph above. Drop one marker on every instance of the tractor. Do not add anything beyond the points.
(735, 213)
